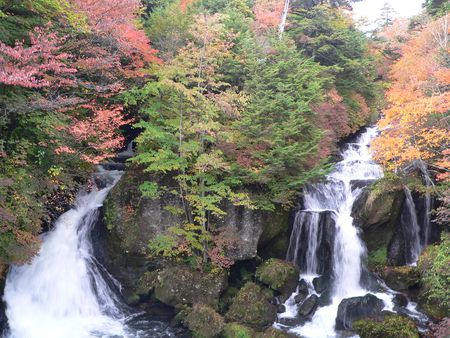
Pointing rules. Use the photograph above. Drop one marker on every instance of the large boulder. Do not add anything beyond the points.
(179, 284)
(279, 275)
(309, 306)
(252, 307)
(204, 322)
(132, 221)
(352, 309)
(401, 278)
(377, 211)
(390, 326)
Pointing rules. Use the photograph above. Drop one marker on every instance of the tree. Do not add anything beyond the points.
(40, 65)
(415, 125)
(276, 140)
(182, 122)
(387, 14)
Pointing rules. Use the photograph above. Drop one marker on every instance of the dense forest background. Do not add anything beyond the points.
(219, 102)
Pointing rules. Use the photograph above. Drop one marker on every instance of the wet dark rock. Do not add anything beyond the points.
(281, 308)
(321, 283)
(326, 297)
(352, 309)
(400, 300)
(300, 298)
(296, 321)
(309, 306)
(303, 287)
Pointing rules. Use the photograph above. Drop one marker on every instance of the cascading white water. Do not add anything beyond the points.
(62, 292)
(336, 196)
(411, 229)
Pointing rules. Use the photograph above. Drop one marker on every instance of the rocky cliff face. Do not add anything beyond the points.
(132, 221)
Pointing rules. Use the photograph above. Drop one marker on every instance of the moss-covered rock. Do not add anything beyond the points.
(252, 307)
(272, 332)
(235, 330)
(391, 326)
(179, 284)
(279, 275)
(377, 211)
(204, 322)
(401, 278)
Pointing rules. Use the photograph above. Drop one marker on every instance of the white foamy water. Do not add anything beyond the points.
(64, 292)
(337, 195)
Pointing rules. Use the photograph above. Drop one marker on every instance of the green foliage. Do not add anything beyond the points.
(234, 330)
(437, 7)
(377, 258)
(276, 135)
(331, 39)
(392, 326)
(168, 36)
(434, 265)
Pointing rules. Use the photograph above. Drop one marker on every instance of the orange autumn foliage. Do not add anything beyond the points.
(267, 13)
(416, 124)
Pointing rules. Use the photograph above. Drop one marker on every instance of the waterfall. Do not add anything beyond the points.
(415, 221)
(284, 17)
(333, 200)
(411, 229)
(64, 292)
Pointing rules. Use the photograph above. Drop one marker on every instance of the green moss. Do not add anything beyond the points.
(392, 326)
(434, 266)
(204, 322)
(377, 258)
(235, 330)
(278, 274)
(251, 307)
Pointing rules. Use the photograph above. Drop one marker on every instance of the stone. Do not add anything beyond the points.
(204, 322)
(309, 306)
(400, 300)
(352, 309)
(281, 308)
(321, 283)
(180, 284)
(252, 307)
(388, 326)
(279, 275)
(300, 298)
(401, 278)
(234, 330)
(303, 287)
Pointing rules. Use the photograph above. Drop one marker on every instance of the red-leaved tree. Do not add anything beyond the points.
(42, 64)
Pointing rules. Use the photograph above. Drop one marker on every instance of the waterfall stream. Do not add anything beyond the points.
(327, 209)
(64, 292)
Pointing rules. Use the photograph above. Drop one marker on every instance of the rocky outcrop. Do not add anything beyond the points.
(204, 322)
(179, 284)
(279, 275)
(252, 307)
(133, 221)
(401, 278)
(389, 326)
(377, 212)
(352, 309)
